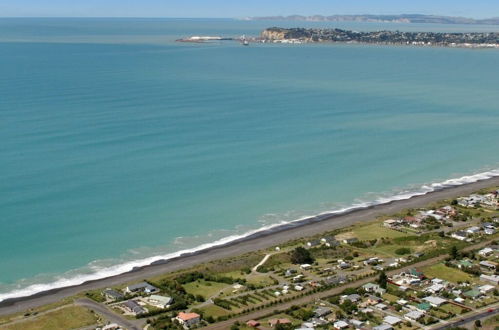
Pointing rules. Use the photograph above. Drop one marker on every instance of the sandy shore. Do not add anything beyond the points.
(261, 240)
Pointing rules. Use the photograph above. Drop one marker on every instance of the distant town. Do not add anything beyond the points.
(304, 35)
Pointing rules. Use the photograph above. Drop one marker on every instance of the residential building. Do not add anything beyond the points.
(188, 319)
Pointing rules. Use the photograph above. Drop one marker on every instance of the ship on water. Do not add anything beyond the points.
(244, 41)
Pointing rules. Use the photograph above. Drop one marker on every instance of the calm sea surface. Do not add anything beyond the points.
(118, 144)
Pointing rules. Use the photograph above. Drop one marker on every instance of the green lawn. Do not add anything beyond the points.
(375, 230)
(204, 288)
(260, 280)
(452, 309)
(447, 273)
(390, 297)
(72, 317)
(213, 310)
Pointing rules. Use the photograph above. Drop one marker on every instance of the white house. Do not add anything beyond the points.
(435, 301)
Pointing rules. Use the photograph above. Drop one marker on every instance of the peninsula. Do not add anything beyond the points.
(301, 35)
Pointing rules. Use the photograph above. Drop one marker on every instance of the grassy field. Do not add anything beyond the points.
(213, 310)
(375, 230)
(72, 317)
(447, 273)
(452, 309)
(260, 279)
(204, 288)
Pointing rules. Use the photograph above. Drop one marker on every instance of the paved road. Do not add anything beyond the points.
(335, 291)
(471, 318)
(109, 314)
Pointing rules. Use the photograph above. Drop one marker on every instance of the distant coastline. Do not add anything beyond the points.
(403, 18)
(441, 39)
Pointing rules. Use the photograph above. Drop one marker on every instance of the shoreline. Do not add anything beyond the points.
(260, 239)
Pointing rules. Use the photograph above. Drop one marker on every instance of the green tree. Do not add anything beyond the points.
(454, 253)
(300, 255)
(383, 280)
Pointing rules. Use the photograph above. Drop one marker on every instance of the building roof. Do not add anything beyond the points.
(161, 299)
(187, 316)
(392, 320)
(414, 315)
(134, 306)
(383, 327)
(424, 306)
(435, 300)
(142, 286)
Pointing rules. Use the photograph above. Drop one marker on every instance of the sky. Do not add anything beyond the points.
(240, 8)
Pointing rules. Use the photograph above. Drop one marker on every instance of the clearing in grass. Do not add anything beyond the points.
(204, 288)
(71, 317)
(447, 273)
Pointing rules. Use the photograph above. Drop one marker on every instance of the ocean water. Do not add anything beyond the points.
(119, 146)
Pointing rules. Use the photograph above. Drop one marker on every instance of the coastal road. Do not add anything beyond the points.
(261, 240)
(475, 315)
(108, 314)
(321, 295)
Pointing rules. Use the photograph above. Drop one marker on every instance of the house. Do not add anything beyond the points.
(402, 302)
(297, 277)
(390, 223)
(486, 288)
(383, 327)
(313, 243)
(159, 301)
(435, 301)
(352, 297)
(459, 235)
(133, 307)
(275, 322)
(290, 272)
(350, 240)
(373, 300)
(340, 324)
(494, 279)
(322, 311)
(391, 320)
(464, 264)
(329, 241)
(143, 287)
(381, 306)
(305, 266)
(489, 231)
(473, 230)
(473, 294)
(344, 265)
(485, 252)
(488, 265)
(414, 315)
(356, 323)
(298, 287)
(423, 306)
(253, 323)
(113, 295)
(435, 288)
(188, 319)
(371, 261)
(111, 326)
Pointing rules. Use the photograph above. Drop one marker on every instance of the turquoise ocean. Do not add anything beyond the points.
(119, 146)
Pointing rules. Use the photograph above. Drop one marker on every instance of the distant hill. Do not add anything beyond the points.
(405, 18)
